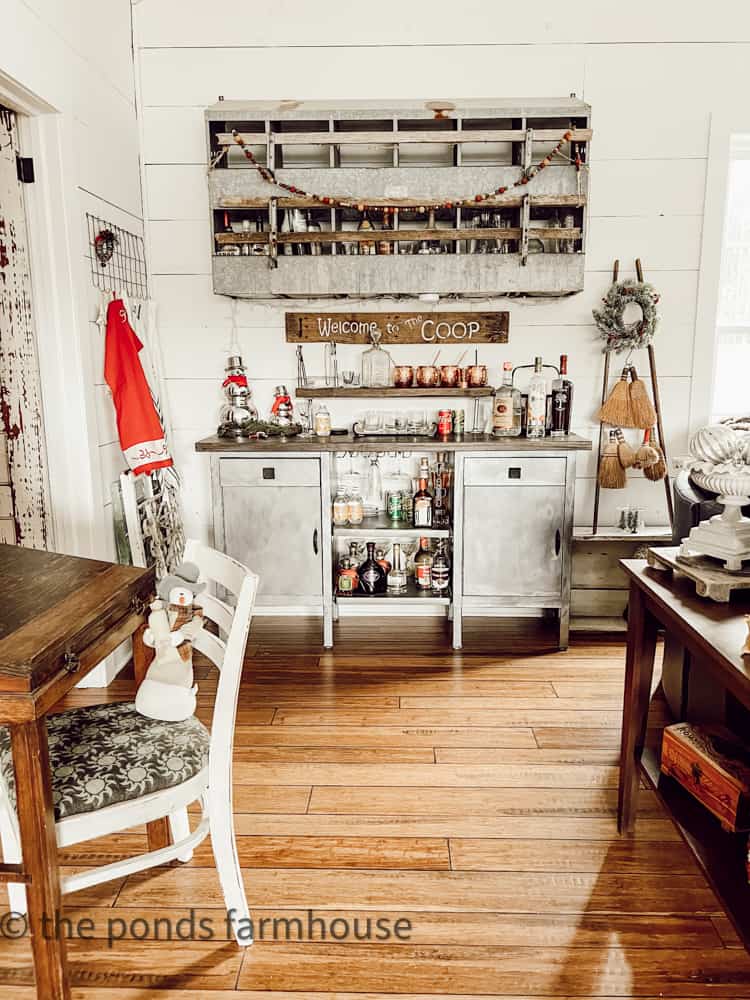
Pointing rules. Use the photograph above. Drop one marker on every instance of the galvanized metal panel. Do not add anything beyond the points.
(361, 276)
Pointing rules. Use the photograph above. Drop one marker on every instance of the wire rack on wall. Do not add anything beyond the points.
(117, 258)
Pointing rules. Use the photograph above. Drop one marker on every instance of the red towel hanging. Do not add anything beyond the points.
(138, 425)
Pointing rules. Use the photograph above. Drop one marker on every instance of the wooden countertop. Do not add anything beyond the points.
(469, 442)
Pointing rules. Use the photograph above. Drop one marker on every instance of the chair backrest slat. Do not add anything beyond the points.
(217, 611)
(215, 567)
(212, 647)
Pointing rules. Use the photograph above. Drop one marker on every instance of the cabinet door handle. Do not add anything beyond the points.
(558, 542)
(315, 541)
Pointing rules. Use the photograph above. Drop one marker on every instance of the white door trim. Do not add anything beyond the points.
(56, 250)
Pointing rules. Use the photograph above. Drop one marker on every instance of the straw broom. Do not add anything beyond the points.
(611, 473)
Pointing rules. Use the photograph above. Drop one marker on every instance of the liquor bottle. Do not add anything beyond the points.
(397, 580)
(423, 506)
(536, 407)
(423, 566)
(506, 413)
(562, 400)
(441, 490)
(441, 570)
(348, 578)
(377, 366)
(372, 576)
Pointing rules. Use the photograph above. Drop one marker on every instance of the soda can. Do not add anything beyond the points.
(459, 421)
(395, 506)
(445, 422)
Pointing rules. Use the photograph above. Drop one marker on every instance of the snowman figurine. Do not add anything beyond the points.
(167, 692)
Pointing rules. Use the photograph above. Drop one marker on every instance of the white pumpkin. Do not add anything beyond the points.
(715, 444)
(743, 451)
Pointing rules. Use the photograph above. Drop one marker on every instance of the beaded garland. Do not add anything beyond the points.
(616, 333)
(362, 206)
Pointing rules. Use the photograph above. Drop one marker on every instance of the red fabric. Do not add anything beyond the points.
(138, 424)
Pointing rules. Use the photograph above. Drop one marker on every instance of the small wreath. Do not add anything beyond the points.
(616, 333)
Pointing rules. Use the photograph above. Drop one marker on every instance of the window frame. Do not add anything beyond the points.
(724, 124)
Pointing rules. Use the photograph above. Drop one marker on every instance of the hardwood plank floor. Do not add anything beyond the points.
(469, 795)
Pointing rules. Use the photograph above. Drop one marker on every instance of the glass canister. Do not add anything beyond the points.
(377, 365)
(341, 507)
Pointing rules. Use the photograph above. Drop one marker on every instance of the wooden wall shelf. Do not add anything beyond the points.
(365, 392)
(427, 169)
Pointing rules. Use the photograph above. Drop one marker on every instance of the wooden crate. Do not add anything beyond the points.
(409, 159)
(714, 766)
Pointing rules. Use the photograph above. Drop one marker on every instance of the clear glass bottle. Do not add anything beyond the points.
(377, 366)
(441, 570)
(536, 406)
(422, 506)
(397, 581)
(423, 565)
(372, 576)
(340, 507)
(374, 490)
(506, 411)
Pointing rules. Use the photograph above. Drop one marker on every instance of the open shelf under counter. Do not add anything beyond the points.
(720, 855)
(388, 391)
(411, 596)
(383, 527)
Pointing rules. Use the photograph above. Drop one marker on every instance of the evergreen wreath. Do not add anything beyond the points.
(616, 333)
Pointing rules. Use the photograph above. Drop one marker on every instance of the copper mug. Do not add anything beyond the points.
(403, 376)
(450, 375)
(476, 376)
(428, 376)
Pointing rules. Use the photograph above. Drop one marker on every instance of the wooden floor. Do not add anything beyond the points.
(472, 796)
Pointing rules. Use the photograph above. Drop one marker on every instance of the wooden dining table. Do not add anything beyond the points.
(60, 616)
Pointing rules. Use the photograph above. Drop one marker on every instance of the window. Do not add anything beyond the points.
(731, 389)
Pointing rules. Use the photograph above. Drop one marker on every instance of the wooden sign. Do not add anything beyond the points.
(398, 328)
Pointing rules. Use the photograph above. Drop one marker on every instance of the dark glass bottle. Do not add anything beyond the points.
(562, 401)
(441, 570)
(372, 577)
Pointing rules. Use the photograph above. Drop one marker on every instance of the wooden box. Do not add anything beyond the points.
(714, 766)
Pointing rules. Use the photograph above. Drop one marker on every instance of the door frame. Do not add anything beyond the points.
(56, 251)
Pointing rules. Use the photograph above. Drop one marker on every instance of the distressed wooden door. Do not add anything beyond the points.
(24, 499)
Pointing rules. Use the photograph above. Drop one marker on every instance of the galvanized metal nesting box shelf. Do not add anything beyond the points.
(416, 207)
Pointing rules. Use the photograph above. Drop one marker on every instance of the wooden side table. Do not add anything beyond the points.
(60, 616)
(712, 635)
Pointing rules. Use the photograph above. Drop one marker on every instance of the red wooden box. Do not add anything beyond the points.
(714, 766)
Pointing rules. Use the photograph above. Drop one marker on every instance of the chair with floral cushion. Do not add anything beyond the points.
(113, 769)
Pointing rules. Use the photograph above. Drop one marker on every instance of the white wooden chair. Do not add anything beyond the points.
(107, 777)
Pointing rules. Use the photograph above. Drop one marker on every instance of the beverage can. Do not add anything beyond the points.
(459, 421)
(445, 423)
(395, 505)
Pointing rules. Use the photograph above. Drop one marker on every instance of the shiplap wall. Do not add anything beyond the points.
(652, 75)
(77, 57)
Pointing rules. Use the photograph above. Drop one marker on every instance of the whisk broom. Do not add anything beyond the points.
(642, 409)
(617, 409)
(611, 473)
(659, 468)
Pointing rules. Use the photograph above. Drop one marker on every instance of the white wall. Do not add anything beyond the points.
(75, 60)
(652, 73)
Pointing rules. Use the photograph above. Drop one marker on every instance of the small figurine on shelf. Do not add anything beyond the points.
(238, 409)
(282, 409)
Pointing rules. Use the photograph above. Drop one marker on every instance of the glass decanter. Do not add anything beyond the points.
(377, 366)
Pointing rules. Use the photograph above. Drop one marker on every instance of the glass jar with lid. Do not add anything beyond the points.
(377, 365)
(341, 507)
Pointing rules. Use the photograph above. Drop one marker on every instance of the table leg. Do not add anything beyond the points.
(639, 670)
(36, 822)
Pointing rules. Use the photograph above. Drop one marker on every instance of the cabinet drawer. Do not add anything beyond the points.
(515, 471)
(269, 472)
